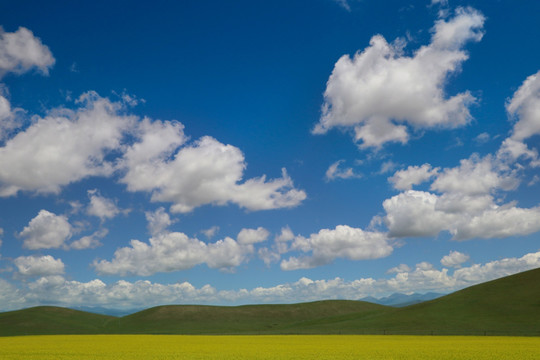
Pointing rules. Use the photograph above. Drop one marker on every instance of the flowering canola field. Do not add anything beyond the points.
(279, 347)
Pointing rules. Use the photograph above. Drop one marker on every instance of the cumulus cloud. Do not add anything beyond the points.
(341, 242)
(158, 221)
(63, 147)
(524, 106)
(101, 207)
(205, 172)
(336, 172)
(476, 176)
(423, 277)
(413, 175)
(252, 236)
(46, 231)
(418, 213)
(380, 91)
(454, 259)
(90, 241)
(9, 118)
(39, 265)
(21, 51)
(173, 251)
(97, 139)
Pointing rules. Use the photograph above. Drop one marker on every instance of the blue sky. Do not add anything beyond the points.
(265, 151)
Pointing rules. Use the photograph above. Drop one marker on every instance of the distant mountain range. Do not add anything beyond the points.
(401, 300)
(106, 311)
(506, 306)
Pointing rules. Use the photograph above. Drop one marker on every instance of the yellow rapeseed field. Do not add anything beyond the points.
(279, 347)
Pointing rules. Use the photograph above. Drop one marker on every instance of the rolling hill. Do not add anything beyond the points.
(506, 306)
(43, 320)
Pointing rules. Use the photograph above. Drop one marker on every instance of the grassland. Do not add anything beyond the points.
(506, 306)
(308, 347)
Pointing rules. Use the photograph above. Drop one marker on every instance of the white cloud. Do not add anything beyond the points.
(252, 236)
(413, 175)
(499, 222)
(476, 176)
(173, 251)
(63, 147)
(482, 138)
(454, 259)
(11, 298)
(412, 213)
(96, 140)
(380, 91)
(525, 107)
(21, 51)
(101, 207)
(206, 172)
(89, 242)
(210, 232)
(341, 242)
(418, 213)
(335, 172)
(39, 265)
(46, 231)
(158, 221)
(9, 118)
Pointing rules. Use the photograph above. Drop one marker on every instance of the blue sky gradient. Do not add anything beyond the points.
(265, 151)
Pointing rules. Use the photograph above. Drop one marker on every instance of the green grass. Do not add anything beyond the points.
(506, 306)
(45, 320)
(249, 319)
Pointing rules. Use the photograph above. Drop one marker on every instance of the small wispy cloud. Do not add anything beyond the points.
(336, 171)
(344, 4)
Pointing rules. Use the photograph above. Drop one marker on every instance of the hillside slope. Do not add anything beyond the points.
(509, 305)
(44, 320)
(195, 319)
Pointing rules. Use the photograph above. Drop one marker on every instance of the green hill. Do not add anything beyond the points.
(44, 320)
(506, 306)
(253, 319)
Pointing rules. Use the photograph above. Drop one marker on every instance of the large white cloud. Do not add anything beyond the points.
(341, 242)
(476, 176)
(173, 251)
(468, 202)
(380, 90)
(205, 172)
(63, 147)
(20, 51)
(46, 231)
(39, 265)
(419, 213)
(524, 106)
(413, 175)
